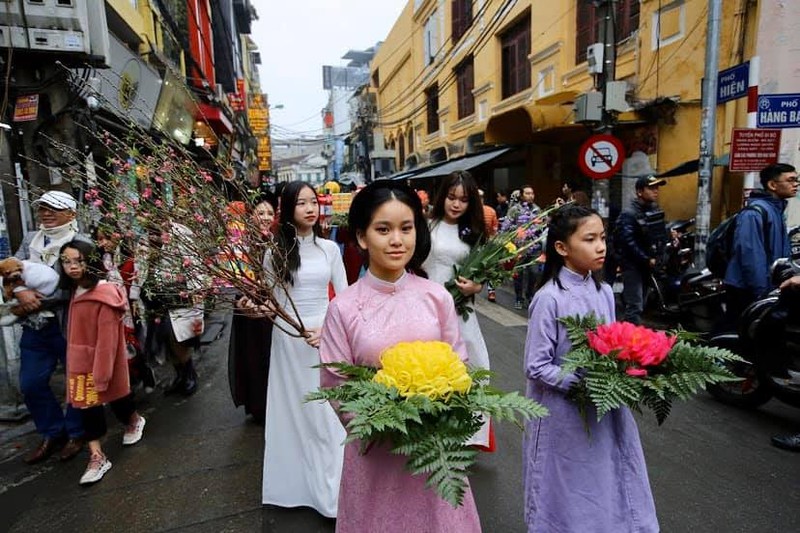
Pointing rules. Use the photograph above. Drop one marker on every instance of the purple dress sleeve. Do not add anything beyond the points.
(541, 342)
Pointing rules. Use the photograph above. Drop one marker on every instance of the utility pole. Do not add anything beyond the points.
(707, 130)
(605, 14)
(605, 11)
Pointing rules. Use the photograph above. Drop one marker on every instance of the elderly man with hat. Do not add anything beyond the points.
(43, 344)
(640, 238)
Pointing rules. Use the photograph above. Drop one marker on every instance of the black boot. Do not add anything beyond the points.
(179, 383)
(189, 379)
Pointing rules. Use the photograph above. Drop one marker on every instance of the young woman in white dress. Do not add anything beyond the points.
(456, 226)
(303, 451)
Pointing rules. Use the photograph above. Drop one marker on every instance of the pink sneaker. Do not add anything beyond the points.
(133, 432)
(97, 468)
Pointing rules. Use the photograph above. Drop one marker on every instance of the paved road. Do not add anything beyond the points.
(199, 466)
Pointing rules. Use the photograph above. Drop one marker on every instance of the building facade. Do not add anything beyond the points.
(455, 77)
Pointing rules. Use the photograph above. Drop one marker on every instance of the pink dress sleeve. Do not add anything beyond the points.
(334, 346)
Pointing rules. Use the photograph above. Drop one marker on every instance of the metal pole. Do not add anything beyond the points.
(707, 130)
(751, 178)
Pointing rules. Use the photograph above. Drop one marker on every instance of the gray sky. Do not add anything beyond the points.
(297, 37)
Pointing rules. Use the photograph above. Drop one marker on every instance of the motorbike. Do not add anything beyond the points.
(751, 342)
(681, 293)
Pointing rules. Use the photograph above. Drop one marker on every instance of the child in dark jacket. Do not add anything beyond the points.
(97, 368)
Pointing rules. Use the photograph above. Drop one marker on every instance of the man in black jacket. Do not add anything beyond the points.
(640, 239)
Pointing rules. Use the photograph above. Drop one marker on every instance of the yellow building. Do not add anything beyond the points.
(458, 76)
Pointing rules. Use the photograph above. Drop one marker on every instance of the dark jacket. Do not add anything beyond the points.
(640, 234)
(752, 257)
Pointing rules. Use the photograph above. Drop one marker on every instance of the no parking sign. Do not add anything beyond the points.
(601, 156)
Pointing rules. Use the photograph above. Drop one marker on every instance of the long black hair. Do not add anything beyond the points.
(471, 225)
(377, 193)
(563, 223)
(92, 256)
(288, 260)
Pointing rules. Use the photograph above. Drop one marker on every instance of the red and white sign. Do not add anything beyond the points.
(752, 149)
(26, 108)
(601, 156)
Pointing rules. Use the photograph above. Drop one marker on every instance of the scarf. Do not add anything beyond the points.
(56, 238)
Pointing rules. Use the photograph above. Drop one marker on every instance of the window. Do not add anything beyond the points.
(586, 24)
(401, 152)
(431, 38)
(410, 140)
(432, 108)
(462, 18)
(465, 82)
(669, 24)
(546, 81)
(376, 78)
(515, 46)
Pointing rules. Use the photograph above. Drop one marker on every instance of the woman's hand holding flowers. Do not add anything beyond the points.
(468, 287)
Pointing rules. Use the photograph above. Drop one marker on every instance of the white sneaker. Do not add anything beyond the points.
(133, 432)
(98, 466)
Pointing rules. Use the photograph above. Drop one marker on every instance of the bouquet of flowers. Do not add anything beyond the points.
(497, 259)
(624, 364)
(426, 404)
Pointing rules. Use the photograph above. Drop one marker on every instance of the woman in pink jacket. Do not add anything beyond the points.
(97, 368)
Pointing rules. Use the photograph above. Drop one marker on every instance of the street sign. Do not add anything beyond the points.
(778, 111)
(601, 156)
(753, 149)
(26, 108)
(732, 83)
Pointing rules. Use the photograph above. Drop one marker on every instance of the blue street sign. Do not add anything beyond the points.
(732, 83)
(778, 111)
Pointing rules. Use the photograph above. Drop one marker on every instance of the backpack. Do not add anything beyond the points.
(719, 247)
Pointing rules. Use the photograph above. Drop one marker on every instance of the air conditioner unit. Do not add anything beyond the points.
(594, 58)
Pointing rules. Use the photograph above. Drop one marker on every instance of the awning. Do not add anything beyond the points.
(690, 167)
(215, 118)
(464, 163)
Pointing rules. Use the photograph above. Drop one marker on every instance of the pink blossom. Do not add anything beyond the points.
(628, 342)
(206, 176)
(97, 203)
(147, 193)
(199, 218)
(636, 372)
(158, 179)
(187, 262)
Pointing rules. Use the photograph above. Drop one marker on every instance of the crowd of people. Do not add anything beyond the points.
(408, 252)
(94, 324)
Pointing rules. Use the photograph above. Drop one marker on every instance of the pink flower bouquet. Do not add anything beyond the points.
(621, 364)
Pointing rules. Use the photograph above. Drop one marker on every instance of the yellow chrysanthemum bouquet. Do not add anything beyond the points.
(427, 404)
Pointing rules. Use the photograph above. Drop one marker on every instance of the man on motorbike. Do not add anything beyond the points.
(788, 442)
(747, 276)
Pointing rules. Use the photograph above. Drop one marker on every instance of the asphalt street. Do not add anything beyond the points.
(198, 467)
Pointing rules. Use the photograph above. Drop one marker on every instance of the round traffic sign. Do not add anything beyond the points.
(601, 156)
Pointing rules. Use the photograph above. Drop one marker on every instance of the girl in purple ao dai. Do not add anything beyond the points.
(577, 481)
